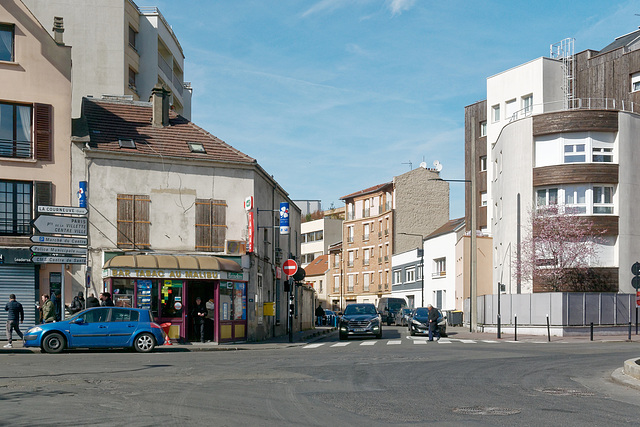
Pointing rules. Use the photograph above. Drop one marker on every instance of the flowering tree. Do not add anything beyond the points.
(560, 250)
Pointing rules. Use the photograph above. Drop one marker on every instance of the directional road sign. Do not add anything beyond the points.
(58, 260)
(69, 210)
(60, 240)
(59, 250)
(76, 226)
(290, 267)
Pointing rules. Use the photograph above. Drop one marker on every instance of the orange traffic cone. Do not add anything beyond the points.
(165, 328)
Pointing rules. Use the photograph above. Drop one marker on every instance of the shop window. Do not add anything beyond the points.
(171, 303)
(133, 221)
(211, 225)
(15, 208)
(123, 292)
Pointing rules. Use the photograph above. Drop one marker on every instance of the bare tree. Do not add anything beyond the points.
(560, 250)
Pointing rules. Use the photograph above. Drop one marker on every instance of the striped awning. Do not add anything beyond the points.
(173, 262)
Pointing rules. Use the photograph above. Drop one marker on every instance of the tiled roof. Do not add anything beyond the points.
(318, 266)
(366, 191)
(109, 121)
(448, 227)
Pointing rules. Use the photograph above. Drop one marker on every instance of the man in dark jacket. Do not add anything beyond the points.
(199, 314)
(319, 315)
(92, 301)
(433, 322)
(105, 297)
(77, 304)
(14, 318)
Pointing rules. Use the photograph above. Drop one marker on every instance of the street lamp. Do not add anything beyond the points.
(421, 253)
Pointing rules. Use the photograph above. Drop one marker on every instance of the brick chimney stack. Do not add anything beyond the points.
(58, 29)
(160, 106)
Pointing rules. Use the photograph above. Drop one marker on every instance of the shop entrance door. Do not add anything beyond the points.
(172, 307)
(206, 290)
(232, 311)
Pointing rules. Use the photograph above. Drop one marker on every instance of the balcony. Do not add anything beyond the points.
(178, 85)
(439, 274)
(165, 67)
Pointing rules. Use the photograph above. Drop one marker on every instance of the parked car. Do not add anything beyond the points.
(329, 317)
(419, 322)
(402, 318)
(99, 327)
(389, 307)
(360, 319)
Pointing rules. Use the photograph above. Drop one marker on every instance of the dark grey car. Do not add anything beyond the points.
(360, 320)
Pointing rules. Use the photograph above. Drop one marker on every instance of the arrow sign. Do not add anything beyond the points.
(61, 225)
(290, 267)
(59, 250)
(60, 240)
(70, 210)
(58, 260)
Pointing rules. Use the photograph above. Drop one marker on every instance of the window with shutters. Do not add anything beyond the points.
(133, 221)
(15, 208)
(17, 138)
(211, 225)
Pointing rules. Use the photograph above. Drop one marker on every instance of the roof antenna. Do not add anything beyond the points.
(408, 163)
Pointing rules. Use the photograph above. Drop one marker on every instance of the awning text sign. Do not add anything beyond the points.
(135, 273)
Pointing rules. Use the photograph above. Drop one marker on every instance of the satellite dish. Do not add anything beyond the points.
(437, 165)
(423, 165)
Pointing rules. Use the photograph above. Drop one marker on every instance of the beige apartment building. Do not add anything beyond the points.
(119, 49)
(380, 220)
(35, 161)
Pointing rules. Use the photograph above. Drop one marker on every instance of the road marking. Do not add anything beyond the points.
(419, 341)
(490, 341)
(368, 343)
(467, 341)
(313, 345)
(444, 341)
(340, 344)
(394, 342)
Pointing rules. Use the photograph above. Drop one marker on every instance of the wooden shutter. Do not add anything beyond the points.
(43, 194)
(211, 225)
(141, 224)
(203, 225)
(218, 224)
(125, 221)
(43, 125)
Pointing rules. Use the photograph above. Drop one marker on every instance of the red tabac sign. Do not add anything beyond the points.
(250, 231)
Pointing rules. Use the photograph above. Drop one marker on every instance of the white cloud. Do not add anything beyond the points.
(324, 5)
(399, 6)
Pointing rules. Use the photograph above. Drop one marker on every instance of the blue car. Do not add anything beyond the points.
(99, 327)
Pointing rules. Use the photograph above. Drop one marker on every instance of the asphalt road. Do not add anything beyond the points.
(359, 382)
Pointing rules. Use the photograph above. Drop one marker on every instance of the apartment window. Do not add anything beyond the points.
(132, 79)
(15, 130)
(602, 154)
(6, 42)
(574, 153)
(410, 274)
(575, 199)
(483, 128)
(483, 198)
(133, 221)
(635, 80)
(320, 286)
(351, 211)
(495, 113)
(365, 281)
(397, 277)
(386, 283)
(350, 282)
(365, 231)
(15, 208)
(132, 37)
(547, 197)
(366, 257)
(319, 235)
(336, 261)
(511, 110)
(351, 258)
(419, 275)
(350, 234)
(211, 225)
(439, 267)
(483, 163)
(527, 104)
(602, 200)
(336, 284)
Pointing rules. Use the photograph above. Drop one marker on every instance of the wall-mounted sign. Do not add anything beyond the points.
(248, 203)
(284, 218)
(250, 231)
(134, 273)
(82, 194)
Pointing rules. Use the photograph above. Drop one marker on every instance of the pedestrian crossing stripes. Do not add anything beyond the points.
(412, 340)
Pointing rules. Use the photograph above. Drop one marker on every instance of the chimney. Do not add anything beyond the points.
(58, 29)
(159, 106)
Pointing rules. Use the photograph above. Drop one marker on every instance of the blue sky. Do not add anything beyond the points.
(334, 96)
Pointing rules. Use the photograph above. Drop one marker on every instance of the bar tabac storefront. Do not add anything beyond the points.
(168, 285)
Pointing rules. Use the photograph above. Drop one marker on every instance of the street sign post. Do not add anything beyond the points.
(82, 241)
(49, 224)
(290, 267)
(58, 260)
(62, 250)
(69, 210)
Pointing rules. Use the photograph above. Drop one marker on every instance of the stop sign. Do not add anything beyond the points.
(290, 267)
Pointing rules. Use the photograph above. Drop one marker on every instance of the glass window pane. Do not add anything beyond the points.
(581, 192)
(6, 42)
(171, 304)
(597, 194)
(553, 196)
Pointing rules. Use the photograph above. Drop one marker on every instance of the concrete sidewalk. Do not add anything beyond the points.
(462, 332)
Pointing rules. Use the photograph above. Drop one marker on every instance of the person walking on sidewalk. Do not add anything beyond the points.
(319, 315)
(14, 318)
(48, 310)
(433, 322)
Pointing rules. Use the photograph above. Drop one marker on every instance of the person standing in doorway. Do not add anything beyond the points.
(319, 315)
(14, 318)
(199, 315)
(211, 317)
(433, 322)
(48, 310)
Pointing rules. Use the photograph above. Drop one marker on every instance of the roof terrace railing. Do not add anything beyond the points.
(577, 104)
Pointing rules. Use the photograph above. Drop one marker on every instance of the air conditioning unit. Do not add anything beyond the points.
(235, 247)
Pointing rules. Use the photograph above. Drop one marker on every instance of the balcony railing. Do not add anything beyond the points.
(439, 274)
(365, 213)
(576, 104)
(165, 67)
(177, 83)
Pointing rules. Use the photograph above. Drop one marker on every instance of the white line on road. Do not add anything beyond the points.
(394, 342)
(368, 343)
(420, 342)
(490, 341)
(467, 341)
(444, 341)
(340, 344)
(313, 345)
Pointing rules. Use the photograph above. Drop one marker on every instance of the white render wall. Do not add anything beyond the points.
(331, 232)
(443, 246)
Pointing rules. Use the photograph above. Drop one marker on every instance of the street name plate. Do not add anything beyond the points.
(66, 250)
(58, 260)
(69, 210)
(60, 240)
(76, 226)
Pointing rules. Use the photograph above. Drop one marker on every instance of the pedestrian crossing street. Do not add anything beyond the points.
(408, 341)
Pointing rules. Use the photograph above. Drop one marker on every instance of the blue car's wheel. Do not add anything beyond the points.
(144, 343)
(53, 343)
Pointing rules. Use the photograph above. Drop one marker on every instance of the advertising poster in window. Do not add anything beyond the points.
(240, 302)
(171, 300)
(144, 294)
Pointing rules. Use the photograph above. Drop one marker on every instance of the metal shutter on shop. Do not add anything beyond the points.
(19, 280)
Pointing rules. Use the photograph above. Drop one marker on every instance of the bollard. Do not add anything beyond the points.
(499, 335)
(636, 320)
(515, 328)
(548, 329)
(629, 331)
(591, 331)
